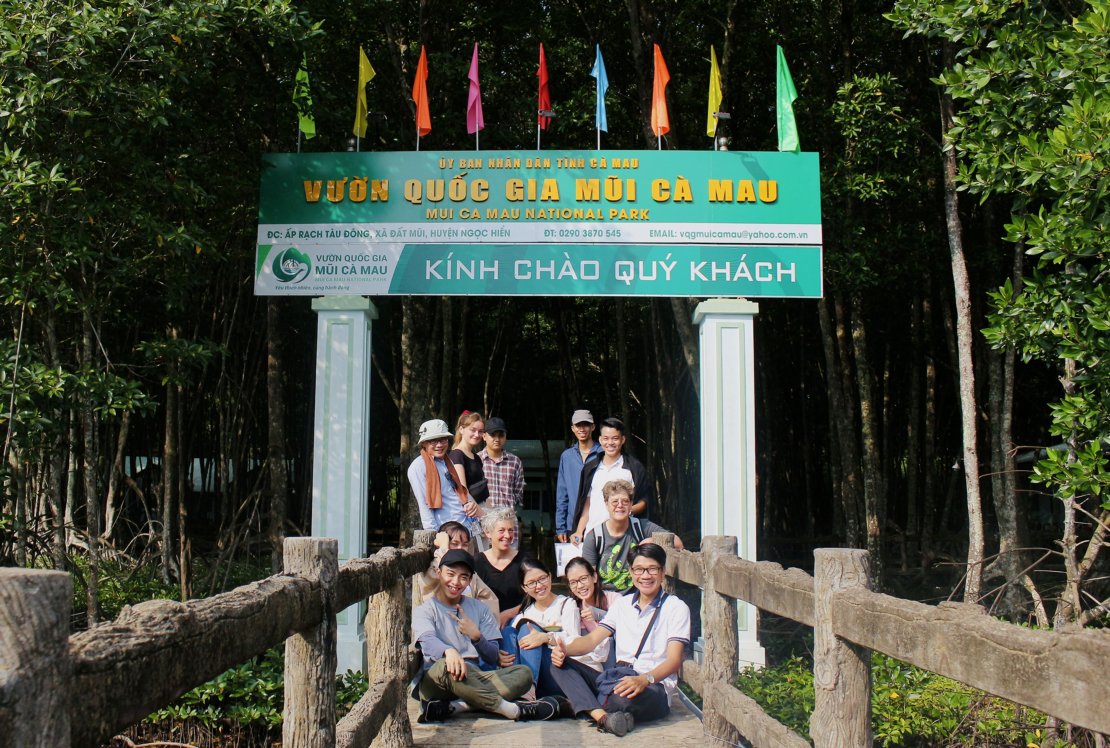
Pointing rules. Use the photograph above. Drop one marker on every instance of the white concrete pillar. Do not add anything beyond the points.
(727, 367)
(341, 445)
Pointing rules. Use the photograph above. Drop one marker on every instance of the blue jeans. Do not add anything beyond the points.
(538, 659)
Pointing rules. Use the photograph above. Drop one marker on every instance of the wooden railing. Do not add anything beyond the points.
(1062, 673)
(58, 690)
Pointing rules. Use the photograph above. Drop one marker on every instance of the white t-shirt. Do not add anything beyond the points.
(564, 612)
(604, 474)
(627, 623)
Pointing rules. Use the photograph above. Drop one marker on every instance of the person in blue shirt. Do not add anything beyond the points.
(570, 471)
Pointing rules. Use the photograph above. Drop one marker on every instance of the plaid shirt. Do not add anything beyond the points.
(505, 479)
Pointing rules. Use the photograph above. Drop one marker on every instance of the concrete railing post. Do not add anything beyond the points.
(388, 632)
(841, 670)
(718, 617)
(310, 655)
(35, 667)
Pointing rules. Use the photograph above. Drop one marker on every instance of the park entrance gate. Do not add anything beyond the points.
(730, 225)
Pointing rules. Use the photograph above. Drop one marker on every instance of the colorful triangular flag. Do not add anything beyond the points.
(598, 72)
(660, 119)
(474, 119)
(365, 74)
(302, 100)
(785, 94)
(420, 96)
(544, 104)
(714, 94)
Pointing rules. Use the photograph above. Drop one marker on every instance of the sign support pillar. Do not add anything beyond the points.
(727, 384)
(341, 446)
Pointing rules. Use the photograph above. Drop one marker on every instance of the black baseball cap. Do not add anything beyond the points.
(458, 557)
(494, 425)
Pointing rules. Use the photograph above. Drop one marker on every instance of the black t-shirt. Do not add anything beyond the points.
(475, 475)
(505, 584)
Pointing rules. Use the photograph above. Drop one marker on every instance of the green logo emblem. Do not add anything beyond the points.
(292, 266)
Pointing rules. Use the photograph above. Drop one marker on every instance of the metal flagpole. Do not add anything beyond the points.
(599, 139)
(418, 137)
(537, 135)
(476, 140)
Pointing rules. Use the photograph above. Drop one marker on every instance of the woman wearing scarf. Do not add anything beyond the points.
(440, 496)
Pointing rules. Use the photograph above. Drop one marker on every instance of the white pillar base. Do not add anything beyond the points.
(727, 385)
(341, 446)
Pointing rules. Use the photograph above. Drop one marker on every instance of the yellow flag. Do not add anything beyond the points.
(714, 93)
(365, 73)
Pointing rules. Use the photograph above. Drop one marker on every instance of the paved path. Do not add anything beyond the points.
(679, 730)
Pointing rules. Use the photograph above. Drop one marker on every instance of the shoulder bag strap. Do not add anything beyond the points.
(651, 623)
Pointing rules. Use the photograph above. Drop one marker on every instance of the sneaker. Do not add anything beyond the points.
(434, 711)
(616, 723)
(545, 708)
(565, 709)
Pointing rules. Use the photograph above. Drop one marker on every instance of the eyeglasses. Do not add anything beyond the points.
(537, 583)
(620, 502)
(646, 571)
(579, 582)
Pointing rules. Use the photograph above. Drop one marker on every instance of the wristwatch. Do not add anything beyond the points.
(649, 677)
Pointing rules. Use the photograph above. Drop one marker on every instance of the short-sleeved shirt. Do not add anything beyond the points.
(475, 475)
(433, 617)
(627, 622)
(504, 477)
(612, 561)
(505, 583)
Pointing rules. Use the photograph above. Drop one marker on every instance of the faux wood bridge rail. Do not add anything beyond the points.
(58, 690)
(1062, 673)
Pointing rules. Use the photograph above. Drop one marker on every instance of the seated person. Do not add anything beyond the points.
(455, 536)
(593, 603)
(651, 629)
(544, 618)
(455, 634)
(606, 546)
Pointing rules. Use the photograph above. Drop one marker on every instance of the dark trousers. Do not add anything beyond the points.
(579, 684)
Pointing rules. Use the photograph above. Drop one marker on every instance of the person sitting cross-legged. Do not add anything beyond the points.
(456, 634)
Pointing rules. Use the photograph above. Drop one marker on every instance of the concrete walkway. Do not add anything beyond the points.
(681, 729)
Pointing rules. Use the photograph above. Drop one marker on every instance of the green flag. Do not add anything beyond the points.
(785, 94)
(302, 100)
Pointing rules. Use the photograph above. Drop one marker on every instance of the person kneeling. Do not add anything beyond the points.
(456, 634)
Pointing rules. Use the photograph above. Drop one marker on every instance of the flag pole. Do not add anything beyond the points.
(417, 138)
(660, 137)
(599, 139)
(537, 135)
(476, 140)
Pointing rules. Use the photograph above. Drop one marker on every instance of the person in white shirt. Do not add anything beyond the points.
(613, 463)
(651, 629)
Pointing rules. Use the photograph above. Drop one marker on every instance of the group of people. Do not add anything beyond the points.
(494, 634)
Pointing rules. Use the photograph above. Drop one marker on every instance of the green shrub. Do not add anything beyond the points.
(910, 707)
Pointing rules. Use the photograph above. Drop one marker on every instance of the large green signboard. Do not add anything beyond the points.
(621, 223)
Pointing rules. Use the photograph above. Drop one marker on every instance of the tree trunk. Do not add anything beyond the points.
(965, 342)
(111, 503)
(874, 500)
(275, 401)
(688, 336)
(92, 510)
(169, 477)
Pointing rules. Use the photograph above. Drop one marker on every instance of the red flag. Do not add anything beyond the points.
(545, 95)
(660, 120)
(420, 96)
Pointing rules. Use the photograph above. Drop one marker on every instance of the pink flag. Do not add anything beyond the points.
(474, 119)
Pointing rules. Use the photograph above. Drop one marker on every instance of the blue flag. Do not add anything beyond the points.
(602, 86)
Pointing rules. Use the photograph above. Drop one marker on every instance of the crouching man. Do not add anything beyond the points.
(460, 640)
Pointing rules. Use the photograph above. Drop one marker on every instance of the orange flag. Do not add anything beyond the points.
(660, 120)
(420, 96)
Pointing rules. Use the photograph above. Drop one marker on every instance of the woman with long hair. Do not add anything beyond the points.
(470, 431)
(544, 618)
(593, 603)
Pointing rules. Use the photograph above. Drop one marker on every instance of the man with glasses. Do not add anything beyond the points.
(571, 463)
(606, 547)
(651, 629)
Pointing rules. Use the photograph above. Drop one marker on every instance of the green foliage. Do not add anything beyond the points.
(251, 694)
(909, 706)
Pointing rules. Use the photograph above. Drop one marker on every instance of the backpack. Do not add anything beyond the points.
(636, 529)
